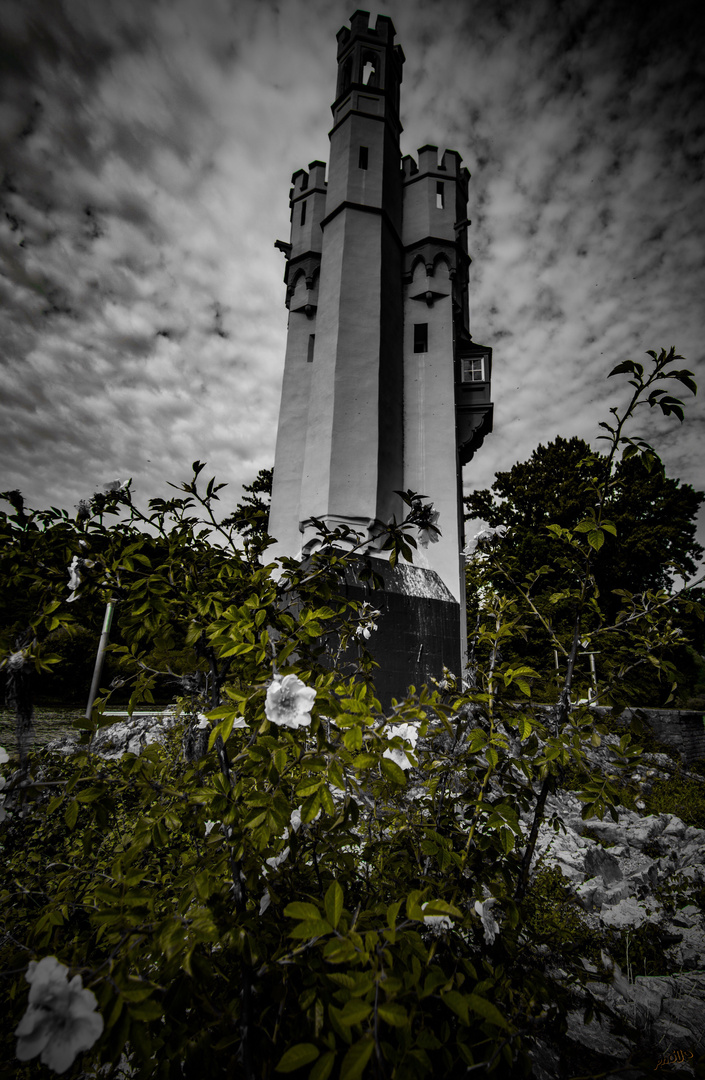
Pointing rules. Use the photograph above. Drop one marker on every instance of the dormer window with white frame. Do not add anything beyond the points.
(472, 369)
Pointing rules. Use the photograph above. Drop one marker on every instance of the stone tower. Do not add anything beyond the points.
(384, 389)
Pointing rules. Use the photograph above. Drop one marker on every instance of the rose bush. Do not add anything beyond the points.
(326, 889)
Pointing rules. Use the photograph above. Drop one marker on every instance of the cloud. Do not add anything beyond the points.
(148, 149)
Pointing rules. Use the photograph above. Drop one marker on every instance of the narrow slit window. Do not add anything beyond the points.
(311, 343)
(303, 213)
(362, 158)
(421, 337)
(439, 196)
(473, 369)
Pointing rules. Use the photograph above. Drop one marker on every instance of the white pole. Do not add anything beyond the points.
(100, 656)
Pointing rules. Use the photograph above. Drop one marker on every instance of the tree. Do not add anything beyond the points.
(651, 541)
(654, 516)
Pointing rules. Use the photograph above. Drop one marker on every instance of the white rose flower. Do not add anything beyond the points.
(489, 924)
(289, 702)
(410, 734)
(276, 860)
(61, 1020)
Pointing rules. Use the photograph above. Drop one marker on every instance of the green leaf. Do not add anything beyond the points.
(311, 928)
(71, 814)
(334, 904)
(458, 1003)
(356, 1058)
(442, 907)
(301, 910)
(323, 1067)
(363, 761)
(339, 951)
(477, 740)
(596, 539)
(310, 808)
(393, 1014)
(392, 912)
(487, 1010)
(352, 738)
(327, 803)
(335, 775)
(297, 1056)
(223, 729)
(392, 772)
(146, 1010)
(308, 786)
(354, 1012)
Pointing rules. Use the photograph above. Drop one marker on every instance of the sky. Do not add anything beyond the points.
(146, 153)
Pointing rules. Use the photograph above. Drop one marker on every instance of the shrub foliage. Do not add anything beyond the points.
(315, 887)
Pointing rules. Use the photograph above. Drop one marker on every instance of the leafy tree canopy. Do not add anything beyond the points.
(654, 515)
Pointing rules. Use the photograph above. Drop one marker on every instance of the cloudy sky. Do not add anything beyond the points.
(148, 147)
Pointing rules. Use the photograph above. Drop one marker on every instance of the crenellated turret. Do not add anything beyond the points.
(435, 212)
(307, 200)
(369, 69)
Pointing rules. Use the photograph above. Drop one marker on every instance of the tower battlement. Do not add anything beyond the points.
(382, 31)
(450, 165)
(303, 182)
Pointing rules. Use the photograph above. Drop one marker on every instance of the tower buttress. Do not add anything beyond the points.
(307, 200)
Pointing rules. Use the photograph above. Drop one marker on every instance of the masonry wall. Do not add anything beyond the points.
(682, 729)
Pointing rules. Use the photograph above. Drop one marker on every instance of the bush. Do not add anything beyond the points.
(321, 888)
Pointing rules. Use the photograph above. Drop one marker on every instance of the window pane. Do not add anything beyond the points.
(473, 369)
(439, 196)
(420, 337)
(362, 160)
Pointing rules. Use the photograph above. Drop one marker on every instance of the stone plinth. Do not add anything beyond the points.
(418, 631)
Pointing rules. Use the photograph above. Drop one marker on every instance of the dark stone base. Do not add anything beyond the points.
(418, 631)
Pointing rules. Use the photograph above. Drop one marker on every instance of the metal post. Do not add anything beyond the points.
(100, 656)
(593, 671)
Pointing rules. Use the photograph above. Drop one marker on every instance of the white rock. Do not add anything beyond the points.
(627, 912)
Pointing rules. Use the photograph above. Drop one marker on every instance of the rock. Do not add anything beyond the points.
(131, 735)
(686, 916)
(696, 874)
(675, 1036)
(545, 1060)
(65, 744)
(599, 862)
(587, 891)
(612, 895)
(675, 828)
(597, 1036)
(687, 1011)
(627, 912)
